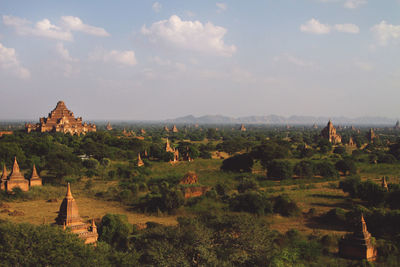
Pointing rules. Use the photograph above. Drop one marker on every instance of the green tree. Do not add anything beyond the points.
(238, 163)
(280, 169)
(115, 230)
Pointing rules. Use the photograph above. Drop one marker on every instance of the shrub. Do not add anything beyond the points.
(247, 184)
(281, 169)
(304, 168)
(326, 170)
(238, 163)
(285, 206)
(252, 202)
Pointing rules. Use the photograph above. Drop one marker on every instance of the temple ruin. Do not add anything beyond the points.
(68, 217)
(358, 245)
(371, 135)
(329, 133)
(140, 162)
(35, 179)
(16, 179)
(62, 120)
(174, 151)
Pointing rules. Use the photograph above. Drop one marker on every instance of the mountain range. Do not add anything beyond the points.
(276, 120)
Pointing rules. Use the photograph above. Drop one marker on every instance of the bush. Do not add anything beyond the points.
(92, 164)
(304, 168)
(285, 206)
(252, 202)
(247, 184)
(238, 163)
(346, 166)
(326, 170)
(115, 229)
(280, 169)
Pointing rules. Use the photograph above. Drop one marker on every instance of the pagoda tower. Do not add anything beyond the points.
(3, 178)
(175, 129)
(329, 132)
(35, 179)
(359, 245)
(68, 217)
(140, 162)
(16, 179)
(384, 184)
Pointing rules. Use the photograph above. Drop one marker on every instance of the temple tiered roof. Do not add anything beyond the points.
(61, 119)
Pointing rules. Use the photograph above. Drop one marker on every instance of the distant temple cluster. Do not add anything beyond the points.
(60, 119)
(16, 179)
(68, 217)
(329, 133)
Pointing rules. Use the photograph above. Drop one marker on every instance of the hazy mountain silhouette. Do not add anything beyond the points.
(276, 119)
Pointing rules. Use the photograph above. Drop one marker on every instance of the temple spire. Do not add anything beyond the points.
(384, 184)
(69, 194)
(34, 172)
(4, 174)
(16, 173)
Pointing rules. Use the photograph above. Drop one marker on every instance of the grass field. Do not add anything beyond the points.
(319, 194)
(39, 211)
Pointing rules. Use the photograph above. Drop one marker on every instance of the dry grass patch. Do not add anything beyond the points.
(39, 211)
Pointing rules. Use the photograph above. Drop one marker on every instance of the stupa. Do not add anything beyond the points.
(16, 179)
(35, 179)
(68, 217)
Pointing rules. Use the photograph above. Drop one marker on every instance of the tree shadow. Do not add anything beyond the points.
(320, 223)
(327, 196)
(343, 205)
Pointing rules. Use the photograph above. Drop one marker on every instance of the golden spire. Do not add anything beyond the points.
(16, 174)
(384, 184)
(15, 166)
(34, 172)
(4, 175)
(69, 194)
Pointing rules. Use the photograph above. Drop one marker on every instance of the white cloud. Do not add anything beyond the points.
(347, 28)
(221, 7)
(121, 57)
(385, 33)
(10, 63)
(190, 35)
(315, 27)
(156, 7)
(351, 4)
(64, 53)
(76, 24)
(168, 63)
(366, 66)
(42, 28)
(294, 60)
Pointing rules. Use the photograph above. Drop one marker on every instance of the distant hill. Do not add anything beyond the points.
(276, 119)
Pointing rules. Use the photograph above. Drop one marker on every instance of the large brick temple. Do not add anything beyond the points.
(60, 119)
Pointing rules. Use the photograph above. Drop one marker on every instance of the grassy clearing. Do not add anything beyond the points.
(39, 211)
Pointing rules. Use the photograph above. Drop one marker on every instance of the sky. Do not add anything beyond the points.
(155, 60)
